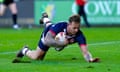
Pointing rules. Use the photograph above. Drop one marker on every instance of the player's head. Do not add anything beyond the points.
(74, 24)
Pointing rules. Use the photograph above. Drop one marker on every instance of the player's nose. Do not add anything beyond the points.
(76, 30)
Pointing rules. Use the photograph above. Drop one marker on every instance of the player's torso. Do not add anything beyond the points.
(62, 27)
(78, 37)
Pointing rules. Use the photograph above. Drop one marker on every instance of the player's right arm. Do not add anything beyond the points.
(50, 40)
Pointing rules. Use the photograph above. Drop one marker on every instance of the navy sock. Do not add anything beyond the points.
(14, 17)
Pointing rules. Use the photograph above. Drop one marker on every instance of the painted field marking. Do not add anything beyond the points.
(92, 44)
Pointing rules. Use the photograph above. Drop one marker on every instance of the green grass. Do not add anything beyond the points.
(102, 42)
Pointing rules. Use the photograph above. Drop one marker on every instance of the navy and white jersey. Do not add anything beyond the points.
(62, 27)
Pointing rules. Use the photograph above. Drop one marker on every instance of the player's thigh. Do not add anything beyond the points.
(13, 8)
(2, 9)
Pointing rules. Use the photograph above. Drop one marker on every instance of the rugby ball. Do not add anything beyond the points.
(61, 36)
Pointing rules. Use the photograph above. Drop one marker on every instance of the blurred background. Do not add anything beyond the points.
(99, 12)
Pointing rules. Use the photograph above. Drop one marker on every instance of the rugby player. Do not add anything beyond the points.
(47, 39)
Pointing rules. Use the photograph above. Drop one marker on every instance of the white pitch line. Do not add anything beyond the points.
(1, 44)
(92, 44)
(105, 43)
(2, 53)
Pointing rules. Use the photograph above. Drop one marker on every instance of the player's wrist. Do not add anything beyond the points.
(88, 57)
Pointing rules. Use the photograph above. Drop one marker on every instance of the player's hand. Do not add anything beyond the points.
(94, 60)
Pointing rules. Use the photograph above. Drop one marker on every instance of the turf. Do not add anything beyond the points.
(102, 42)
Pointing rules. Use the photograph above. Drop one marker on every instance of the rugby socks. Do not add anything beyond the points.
(46, 21)
(25, 51)
(14, 17)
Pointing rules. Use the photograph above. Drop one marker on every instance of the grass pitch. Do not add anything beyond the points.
(102, 42)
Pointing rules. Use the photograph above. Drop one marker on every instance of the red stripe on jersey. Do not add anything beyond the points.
(53, 33)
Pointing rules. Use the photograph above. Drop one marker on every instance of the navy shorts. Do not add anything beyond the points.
(42, 46)
(7, 2)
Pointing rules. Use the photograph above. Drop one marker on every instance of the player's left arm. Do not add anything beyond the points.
(83, 46)
(87, 55)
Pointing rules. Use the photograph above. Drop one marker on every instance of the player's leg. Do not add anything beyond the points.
(80, 10)
(45, 20)
(2, 9)
(85, 17)
(37, 54)
(40, 52)
(13, 9)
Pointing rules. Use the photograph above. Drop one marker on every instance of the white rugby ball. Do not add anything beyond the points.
(61, 36)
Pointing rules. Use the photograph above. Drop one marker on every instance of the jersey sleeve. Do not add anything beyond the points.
(59, 27)
(80, 38)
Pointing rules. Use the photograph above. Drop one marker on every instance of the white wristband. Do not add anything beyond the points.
(88, 57)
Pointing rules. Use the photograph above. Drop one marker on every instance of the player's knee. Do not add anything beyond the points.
(14, 13)
(1, 14)
(39, 54)
(35, 57)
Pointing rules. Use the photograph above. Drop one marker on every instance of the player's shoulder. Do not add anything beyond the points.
(62, 23)
(79, 33)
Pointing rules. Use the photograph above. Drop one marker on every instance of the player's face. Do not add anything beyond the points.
(73, 28)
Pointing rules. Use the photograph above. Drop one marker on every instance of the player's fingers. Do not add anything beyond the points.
(95, 60)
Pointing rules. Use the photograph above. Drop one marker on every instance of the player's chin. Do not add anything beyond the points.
(73, 33)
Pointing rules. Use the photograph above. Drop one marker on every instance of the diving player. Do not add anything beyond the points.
(47, 39)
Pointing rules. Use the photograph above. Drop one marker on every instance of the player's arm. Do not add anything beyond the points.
(87, 55)
(82, 43)
(50, 40)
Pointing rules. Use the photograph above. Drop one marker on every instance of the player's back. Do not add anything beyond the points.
(56, 28)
